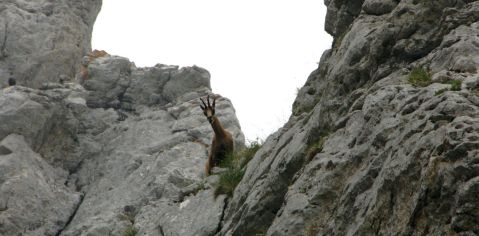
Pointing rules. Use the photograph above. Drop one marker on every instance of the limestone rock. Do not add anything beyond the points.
(114, 82)
(44, 39)
(127, 161)
(197, 215)
(108, 78)
(33, 197)
(365, 152)
(146, 160)
(379, 7)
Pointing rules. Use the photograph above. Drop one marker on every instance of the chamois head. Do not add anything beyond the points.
(208, 109)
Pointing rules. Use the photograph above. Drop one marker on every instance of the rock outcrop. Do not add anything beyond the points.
(366, 152)
(43, 40)
(33, 197)
(127, 151)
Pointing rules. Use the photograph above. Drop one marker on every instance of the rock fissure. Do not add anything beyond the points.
(220, 223)
(72, 216)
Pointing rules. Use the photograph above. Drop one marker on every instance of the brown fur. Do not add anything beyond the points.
(221, 146)
(222, 143)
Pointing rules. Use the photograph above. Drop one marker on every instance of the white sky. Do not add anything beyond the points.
(259, 52)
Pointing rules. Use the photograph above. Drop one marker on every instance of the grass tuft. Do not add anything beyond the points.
(455, 85)
(316, 147)
(245, 155)
(130, 231)
(419, 77)
(228, 181)
(235, 165)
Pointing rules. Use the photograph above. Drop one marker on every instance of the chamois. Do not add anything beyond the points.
(222, 144)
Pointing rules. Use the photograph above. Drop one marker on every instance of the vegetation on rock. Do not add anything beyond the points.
(440, 91)
(419, 77)
(455, 85)
(130, 231)
(316, 147)
(235, 167)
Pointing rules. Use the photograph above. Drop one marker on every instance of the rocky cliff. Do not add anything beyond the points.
(383, 140)
(369, 150)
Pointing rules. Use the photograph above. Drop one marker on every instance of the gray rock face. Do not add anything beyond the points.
(33, 197)
(44, 39)
(139, 165)
(142, 166)
(107, 81)
(366, 152)
(379, 7)
(115, 82)
(43, 120)
(198, 215)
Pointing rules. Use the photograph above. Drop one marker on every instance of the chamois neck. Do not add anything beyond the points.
(217, 128)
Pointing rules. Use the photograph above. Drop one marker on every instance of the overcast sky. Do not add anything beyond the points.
(259, 52)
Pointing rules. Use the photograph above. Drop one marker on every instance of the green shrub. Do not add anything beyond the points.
(130, 231)
(455, 85)
(419, 77)
(235, 167)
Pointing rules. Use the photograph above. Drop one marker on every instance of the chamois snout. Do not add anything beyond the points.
(209, 115)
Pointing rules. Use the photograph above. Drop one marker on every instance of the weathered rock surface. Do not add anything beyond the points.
(379, 7)
(33, 197)
(113, 156)
(42, 40)
(394, 159)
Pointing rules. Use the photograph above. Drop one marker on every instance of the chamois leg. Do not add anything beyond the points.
(208, 164)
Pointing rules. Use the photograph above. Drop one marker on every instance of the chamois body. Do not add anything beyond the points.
(222, 143)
